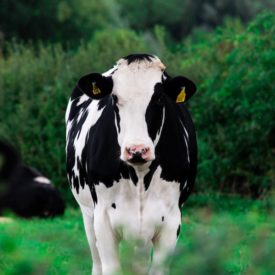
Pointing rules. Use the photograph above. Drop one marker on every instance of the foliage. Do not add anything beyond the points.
(233, 109)
(50, 20)
(232, 236)
(75, 20)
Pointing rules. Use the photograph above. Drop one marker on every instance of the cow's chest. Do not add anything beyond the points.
(136, 213)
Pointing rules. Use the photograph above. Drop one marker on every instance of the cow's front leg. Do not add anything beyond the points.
(90, 233)
(141, 258)
(106, 242)
(164, 245)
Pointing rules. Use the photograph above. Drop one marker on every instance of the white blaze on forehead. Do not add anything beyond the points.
(137, 79)
(134, 85)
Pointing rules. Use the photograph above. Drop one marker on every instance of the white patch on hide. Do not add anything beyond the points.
(187, 150)
(160, 130)
(134, 86)
(79, 116)
(41, 179)
(68, 129)
(186, 137)
(68, 110)
(84, 198)
(80, 140)
(82, 99)
(137, 214)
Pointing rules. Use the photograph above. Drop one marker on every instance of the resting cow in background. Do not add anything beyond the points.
(24, 190)
(131, 158)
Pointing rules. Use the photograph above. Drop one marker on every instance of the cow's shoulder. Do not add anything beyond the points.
(176, 150)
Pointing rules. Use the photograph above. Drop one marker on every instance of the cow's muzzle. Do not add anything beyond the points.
(137, 154)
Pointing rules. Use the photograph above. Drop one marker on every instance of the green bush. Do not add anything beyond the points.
(49, 20)
(182, 17)
(70, 21)
(233, 109)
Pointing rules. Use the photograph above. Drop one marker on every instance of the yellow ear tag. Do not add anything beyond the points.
(181, 96)
(96, 90)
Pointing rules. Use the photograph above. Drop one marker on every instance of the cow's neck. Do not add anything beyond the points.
(140, 190)
(141, 172)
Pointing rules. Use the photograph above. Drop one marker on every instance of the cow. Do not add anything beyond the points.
(131, 156)
(24, 190)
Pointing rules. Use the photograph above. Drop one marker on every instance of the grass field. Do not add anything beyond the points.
(220, 235)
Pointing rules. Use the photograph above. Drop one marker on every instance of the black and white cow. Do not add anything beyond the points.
(24, 190)
(131, 157)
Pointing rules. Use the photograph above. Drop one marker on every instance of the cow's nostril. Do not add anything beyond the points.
(137, 154)
(137, 150)
(144, 150)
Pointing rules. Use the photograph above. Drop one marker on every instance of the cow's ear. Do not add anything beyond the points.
(179, 88)
(95, 85)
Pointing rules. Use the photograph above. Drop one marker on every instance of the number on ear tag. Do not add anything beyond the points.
(181, 96)
(95, 90)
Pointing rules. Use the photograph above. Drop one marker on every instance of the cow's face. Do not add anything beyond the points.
(139, 91)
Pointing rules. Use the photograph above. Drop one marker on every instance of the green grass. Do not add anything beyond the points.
(220, 235)
(56, 246)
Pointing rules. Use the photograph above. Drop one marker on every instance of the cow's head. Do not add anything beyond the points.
(140, 91)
